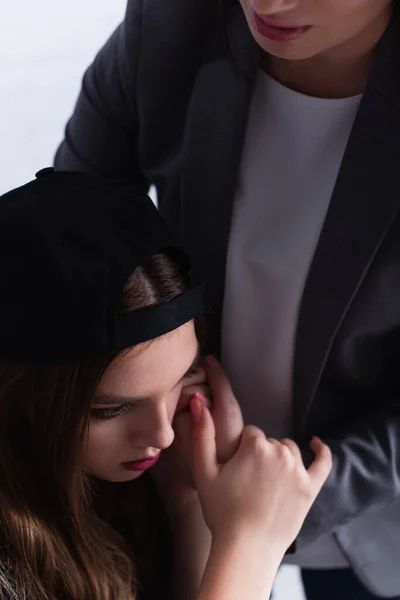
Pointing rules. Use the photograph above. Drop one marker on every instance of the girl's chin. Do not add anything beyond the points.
(118, 477)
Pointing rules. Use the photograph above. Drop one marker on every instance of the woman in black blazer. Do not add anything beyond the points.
(270, 130)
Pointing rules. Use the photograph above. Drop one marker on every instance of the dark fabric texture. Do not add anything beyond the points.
(335, 584)
(165, 104)
(68, 244)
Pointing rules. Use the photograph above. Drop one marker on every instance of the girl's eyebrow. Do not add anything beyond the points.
(118, 400)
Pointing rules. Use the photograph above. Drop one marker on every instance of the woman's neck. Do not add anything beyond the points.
(339, 72)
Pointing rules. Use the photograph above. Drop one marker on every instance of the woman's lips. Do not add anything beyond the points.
(141, 465)
(277, 33)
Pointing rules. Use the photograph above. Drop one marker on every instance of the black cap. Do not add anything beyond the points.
(68, 244)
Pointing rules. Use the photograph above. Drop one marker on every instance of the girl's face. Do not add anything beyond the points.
(318, 26)
(135, 403)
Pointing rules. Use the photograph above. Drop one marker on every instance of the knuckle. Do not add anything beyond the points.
(287, 442)
(284, 452)
(259, 445)
(251, 432)
(254, 437)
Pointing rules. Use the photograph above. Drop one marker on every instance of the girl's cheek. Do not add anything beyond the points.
(104, 433)
(172, 401)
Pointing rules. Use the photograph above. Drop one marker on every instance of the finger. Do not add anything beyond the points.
(205, 464)
(225, 411)
(293, 447)
(189, 391)
(322, 465)
(273, 441)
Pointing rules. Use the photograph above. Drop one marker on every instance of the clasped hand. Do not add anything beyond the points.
(174, 472)
(242, 479)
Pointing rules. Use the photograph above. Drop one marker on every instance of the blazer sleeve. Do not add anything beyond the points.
(101, 137)
(365, 474)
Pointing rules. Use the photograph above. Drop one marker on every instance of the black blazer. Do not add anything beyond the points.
(164, 103)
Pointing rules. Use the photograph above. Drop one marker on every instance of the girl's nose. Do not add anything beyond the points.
(156, 429)
(273, 7)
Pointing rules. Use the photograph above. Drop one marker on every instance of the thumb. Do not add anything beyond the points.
(205, 465)
(321, 467)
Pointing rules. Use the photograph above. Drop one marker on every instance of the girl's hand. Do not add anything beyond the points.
(195, 383)
(176, 462)
(264, 489)
(211, 386)
(173, 474)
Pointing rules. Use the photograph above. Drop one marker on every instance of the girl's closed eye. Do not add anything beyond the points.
(103, 414)
(191, 373)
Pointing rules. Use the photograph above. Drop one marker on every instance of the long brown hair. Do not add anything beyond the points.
(53, 546)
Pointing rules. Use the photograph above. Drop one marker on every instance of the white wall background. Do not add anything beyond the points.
(45, 45)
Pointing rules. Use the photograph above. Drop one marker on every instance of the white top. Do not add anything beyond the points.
(292, 153)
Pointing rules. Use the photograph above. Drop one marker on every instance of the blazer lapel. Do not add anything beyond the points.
(365, 201)
(215, 129)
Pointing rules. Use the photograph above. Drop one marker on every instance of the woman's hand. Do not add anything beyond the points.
(264, 489)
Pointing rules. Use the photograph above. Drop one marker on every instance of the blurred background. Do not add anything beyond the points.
(45, 46)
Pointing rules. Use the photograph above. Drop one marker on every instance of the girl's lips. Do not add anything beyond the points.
(277, 33)
(141, 465)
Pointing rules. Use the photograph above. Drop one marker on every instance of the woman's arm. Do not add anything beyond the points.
(101, 136)
(365, 474)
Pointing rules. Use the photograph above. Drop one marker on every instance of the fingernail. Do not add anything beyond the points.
(211, 360)
(200, 398)
(315, 437)
(196, 409)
